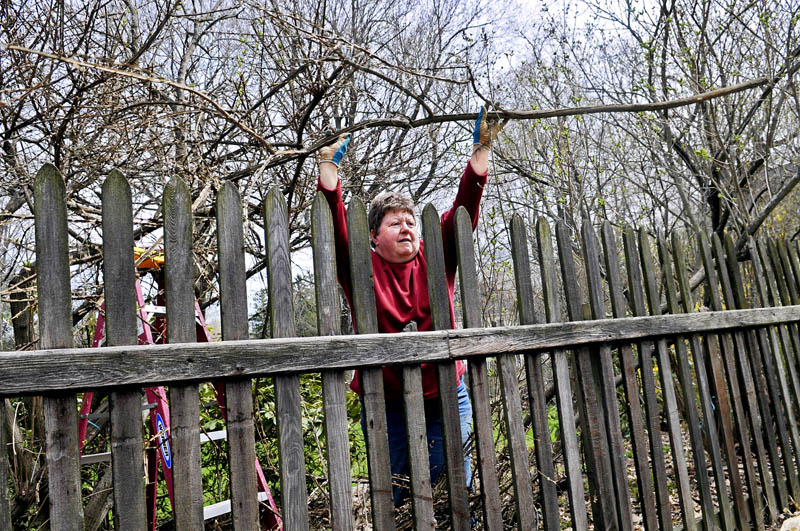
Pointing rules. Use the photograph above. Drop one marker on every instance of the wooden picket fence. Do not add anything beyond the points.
(723, 384)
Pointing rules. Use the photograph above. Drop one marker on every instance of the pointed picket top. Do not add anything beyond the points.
(434, 258)
(52, 259)
(279, 268)
(232, 270)
(366, 320)
(118, 268)
(179, 262)
(323, 245)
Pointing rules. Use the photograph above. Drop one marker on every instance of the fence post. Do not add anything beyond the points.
(127, 451)
(535, 380)
(636, 295)
(291, 456)
(372, 395)
(238, 393)
(750, 369)
(55, 331)
(594, 434)
(561, 380)
(733, 384)
(478, 376)
(628, 369)
(607, 387)
(333, 382)
(184, 399)
(446, 372)
(668, 388)
(690, 403)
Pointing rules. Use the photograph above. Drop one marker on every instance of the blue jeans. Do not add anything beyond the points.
(398, 445)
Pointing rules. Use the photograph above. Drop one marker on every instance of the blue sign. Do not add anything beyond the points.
(163, 441)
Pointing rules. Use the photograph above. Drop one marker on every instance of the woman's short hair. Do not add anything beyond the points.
(384, 203)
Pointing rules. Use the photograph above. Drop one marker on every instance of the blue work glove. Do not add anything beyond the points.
(334, 152)
(486, 127)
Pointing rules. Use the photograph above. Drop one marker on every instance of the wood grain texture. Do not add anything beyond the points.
(478, 377)
(595, 435)
(535, 379)
(739, 369)
(780, 276)
(518, 451)
(680, 469)
(753, 374)
(242, 458)
(439, 298)
(630, 384)
(55, 331)
(372, 395)
(561, 381)
(781, 281)
(788, 271)
(688, 391)
(5, 501)
(184, 399)
(38, 371)
(52, 259)
(706, 402)
(732, 384)
(775, 372)
(775, 300)
(794, 258)
(60, 425)
(127, 449)
(333, 382)
(607, 388)
(288, 403)
(417, 440)
(636, 297)
(742, 371)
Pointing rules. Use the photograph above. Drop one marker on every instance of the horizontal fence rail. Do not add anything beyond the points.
(77, 369)
(661, 416)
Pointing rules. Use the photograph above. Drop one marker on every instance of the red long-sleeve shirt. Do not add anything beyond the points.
(401, 290)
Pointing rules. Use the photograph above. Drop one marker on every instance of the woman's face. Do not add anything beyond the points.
(397, 239)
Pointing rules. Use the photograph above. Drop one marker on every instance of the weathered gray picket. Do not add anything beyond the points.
(645, 350)
(744, 371)
(680, 471)
(238, 393)
(372, 395)
(630, 384)
(289, 410)
(333, 382)
(587, 367)
(512, 408)
(607, 381)
(5, 501)
(446, 373)
(561, 380)
(478, 377)
(707, 405)
(688, 392)
(184, 399)
(732, 382)
(737, 393)
(536, 386)
(125, 405)
(55, 331)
